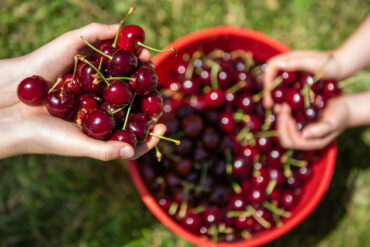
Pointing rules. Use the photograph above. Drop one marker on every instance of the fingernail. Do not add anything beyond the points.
(113, 26)
(126, 152)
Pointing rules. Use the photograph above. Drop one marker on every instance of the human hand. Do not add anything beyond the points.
(309, 61)
(334, 119)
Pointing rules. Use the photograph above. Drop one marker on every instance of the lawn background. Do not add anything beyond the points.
(57, 201)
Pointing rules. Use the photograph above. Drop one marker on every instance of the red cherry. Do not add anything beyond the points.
(129, 36)
(61, 104)
(273, 158)
(256, 195)
(294, 98)
(98, 124)
(247, 77)
(225, 77)
(261, 178)
(140, 124)
(249, 152)
(152, 104)
(183, 167)
(215, 98)
(33, 90)
(193, 125)
(289, 77)
(88, 78)
(277, 175)
(288, 200)
(146, 80)
(104, 46)
(189, 86)
(227, 122)
(117, 93)
(263, 144)
(331, 89)
(278, 94)
(238, 202)
(211, 216)
(241, 167)
(123, 63)
(110, 108)
(205, 77)
(70, 84)
(124, 136)
(192, 222)
(87, 102)
(254, 123)
(244, 101)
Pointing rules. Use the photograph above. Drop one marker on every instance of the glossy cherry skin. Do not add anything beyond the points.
(123, 63)
(98, 124)
(198, 102)
(152, 104)
(247, 77)
(254, 123)
(307, 79)
(129, 36)
(110, 108)
(210, 138)
(88, 78)
(226, 122)
(124, 136)
(165, 203)
(289, 77)
(288, 200)
(192, 222)
(311, 113)
(211, 216)
(244, 101)
(205, 77)
(256, 195)
(294, 98)
(215, 98)
(146, 80)
(193, 125)
(61, 105)
(183, 167)
(264, 144)
(238, 202)
(180, 68)
(278, 94)
(244, 223)
(225, 78)
(261, 178)
(241, 167)
(117, 93)
(140, 124)
(33, 90)
(331, 89)
(230, 98)
(104, 46)
(303, 173)
(249, 152)
(273, 158)
(71, 85)
(189, 86)
(277, 175)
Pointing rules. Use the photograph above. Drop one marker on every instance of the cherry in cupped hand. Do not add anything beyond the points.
(33, 90)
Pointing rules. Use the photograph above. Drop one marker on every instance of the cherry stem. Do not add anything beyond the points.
(190, 69)
(118, 110)
(276, 210)
(246, 234)
(240, 115)
(270, 133)
(218, 53)
(121, 78)
(83, 59)
(74, 68)
(236, 87)
(55, 84)
(277, 219)
(132, 8)
(264, 223)
(236, 187)
(177, 142)
(287, 170)
(286, 155)
(271, 186)
(235, 214)
(173, 208)
(158, 154)
(228, 160)
(297, 163)
(95, 49)
(214, 74)
(306, 91)
(128, 112)
(100, 63)
(242, 133)
(246, 55)
(199, 209)
(214, 232)
(267, 124)
(156, 50)
(259, 95)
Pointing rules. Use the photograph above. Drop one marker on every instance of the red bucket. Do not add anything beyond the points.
(262, 47)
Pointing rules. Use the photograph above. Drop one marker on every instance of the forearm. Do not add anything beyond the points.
(354, 54)
(358, 108)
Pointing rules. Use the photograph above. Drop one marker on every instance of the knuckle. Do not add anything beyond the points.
(105, 155)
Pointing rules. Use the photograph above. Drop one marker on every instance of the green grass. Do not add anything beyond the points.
(56, 201)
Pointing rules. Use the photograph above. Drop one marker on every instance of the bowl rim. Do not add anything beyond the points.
(165, 219)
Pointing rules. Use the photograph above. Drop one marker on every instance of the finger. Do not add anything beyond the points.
(144, 55)
(282, 127)
(151, 142)
(317, 130)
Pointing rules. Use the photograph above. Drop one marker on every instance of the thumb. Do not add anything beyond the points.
(95, 32)
(318, 130)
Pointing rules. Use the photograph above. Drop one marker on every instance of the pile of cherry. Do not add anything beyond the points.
(230, 179)
(111, 94)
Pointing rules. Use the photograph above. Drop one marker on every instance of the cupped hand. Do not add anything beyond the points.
(309, 61)
(314, 136)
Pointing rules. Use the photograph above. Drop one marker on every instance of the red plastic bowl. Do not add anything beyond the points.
(262, 47)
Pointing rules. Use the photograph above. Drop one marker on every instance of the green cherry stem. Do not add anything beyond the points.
(132, 8)
(156, 50)
(271, 186)
(83, 59)
(128, 112)
(276, 210)
(269, 133)
(59, 80)
(95, 49)
(121, 78)
(158, 153)
(177, 142)
(100, 63)
(258, 218)
(118, 110)
(259, 95)
(236, 87)
(75, 68)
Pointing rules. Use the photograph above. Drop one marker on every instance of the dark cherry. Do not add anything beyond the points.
(244, 101)
(261, 178)
(277, 175)
(278, 94)
(172, 179)
(165, 203)
(180, 68)
(146, 80)
(294, 182)
(33, 90)
(192, 222)
(192, 177)
(307, 79)
(288, 200)
(254, 123)
(88, 78)
(225, 77)
(98, 124)
(123, 63)
(189, 86)
(311, 113)
(71, 85)
(320, 101)
(230, 98)
(247, 77)
(104, 46)
(331, 89)
(117, 93)
(256, 195)
(275, 195)
(220, 194)
(215, 98)
(184, 111)
(210, 138)
(61, 104)
(241, 167)
(294, 98)
(124, 136)
(129, 36)
(172, 126)
(185, 147)
(264, 144)
(193, 125)
(147, 172)
(238, 202)
(110, 108)
(249, 152)
(152, 104)
(99, 99)
(273, 158)
(204, 76)
(140, 124)
(219, 168)
(289, 77)
(198, 102)
(200, 154)
(244, 223)
(211, 216)
(303, 173)
(183, 167)
(227, 122)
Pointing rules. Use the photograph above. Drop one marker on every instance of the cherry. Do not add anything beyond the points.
(99, 99)
(289, 77)
(273, 158)
(320, 101)
(278, 94)
(185, 147)
(117, 93)
(200, 154)
(249, 152)
(244, 223)
(180, 68)
(88, 78)
(184, 111)
(152, 104)
(211, 216)
(146, 80)
(147, 173)
(165, 203)
(277, 175)
(241, 167)
(230, 98)
(215, 98)
(210, 138)
(244, 101)
(61, 103)
(220, 194)
(263, 144)
(219, 168)
(303, 173)
(198, 102)
(224, 77)
(192, 222)
(98, 124)
(172, 180)
(189, 86)
(104, 46)
(33, 90)
(205, 76)
(140, 124)
(124, 136)
(331, 89)
(123, 63)
(275, 195)
(294, 98)
(254, 123)
(183, 167)
(69, 84)
(308, 79)
(261, 178)
(256, 195)
(193, 125)
(227, 122)
(247, 77)
(238, 202)
(113, 109)
(288, 200)
(294, 182)
(311, 113)
(129, 36)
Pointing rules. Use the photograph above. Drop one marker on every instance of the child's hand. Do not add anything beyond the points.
(334, 120)
(309, 61)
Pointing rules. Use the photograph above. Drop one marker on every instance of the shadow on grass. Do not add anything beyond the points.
(352, 153)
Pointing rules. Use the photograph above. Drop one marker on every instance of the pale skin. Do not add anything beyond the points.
(25, 129)
(342, 112)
